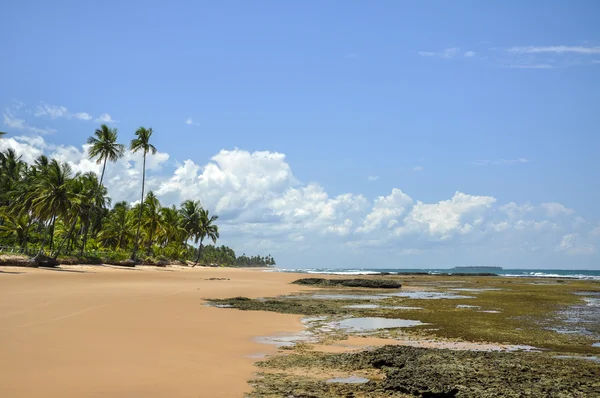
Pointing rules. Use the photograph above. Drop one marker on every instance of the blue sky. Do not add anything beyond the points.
(489, 99)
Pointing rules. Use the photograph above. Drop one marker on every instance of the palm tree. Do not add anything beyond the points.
(2, 133)
(207, 230)
(104, 147)
(93, 202)
(190, 219)
(141, 143)
(151, 219)
(170, 227)
(116, 231)
(51, 195)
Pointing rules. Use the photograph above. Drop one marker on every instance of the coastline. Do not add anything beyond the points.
(81, 330)
(145, 331)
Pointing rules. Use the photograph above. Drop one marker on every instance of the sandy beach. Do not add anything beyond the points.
(85, 331)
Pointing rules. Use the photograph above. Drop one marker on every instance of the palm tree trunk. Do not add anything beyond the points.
(89, 217)
(44, 241)
(199, 250)
(103, 168)
(137, 234)
(65, 238)
(52, 233)
(86, 227)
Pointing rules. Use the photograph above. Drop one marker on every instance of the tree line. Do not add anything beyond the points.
(46, 207)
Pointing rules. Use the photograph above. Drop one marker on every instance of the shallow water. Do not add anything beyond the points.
(473, 289)
(371, 324)
(362, 306)
(285, 340)
(596, 344)
(374, 306)
(582, 318)
(349, 380)
(491, 311)
(428, 295)
(339, 297)
(593, 359)
(467, 306)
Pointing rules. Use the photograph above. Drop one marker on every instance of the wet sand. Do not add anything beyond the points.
(85, 331)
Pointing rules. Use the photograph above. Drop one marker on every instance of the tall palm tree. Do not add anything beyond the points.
(104, 147)
(141, 143)
(207, 230)
(93, 202)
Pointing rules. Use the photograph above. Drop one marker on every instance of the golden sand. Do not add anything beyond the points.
(92, 331)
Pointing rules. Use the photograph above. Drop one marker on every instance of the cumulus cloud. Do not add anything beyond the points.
(574, 244)
(105, 118)
(554, 209)
(263, 205)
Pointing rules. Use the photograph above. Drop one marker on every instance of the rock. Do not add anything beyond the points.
(357, 282)
(127, 263)
(41, 260)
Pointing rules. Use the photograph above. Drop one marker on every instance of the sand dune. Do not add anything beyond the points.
(141, 332)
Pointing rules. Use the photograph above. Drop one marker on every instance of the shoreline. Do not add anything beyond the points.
(78, 330)
(89, 330)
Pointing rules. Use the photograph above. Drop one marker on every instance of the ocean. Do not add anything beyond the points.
(524, 273)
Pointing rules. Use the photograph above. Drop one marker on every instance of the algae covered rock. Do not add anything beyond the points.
(356, 282)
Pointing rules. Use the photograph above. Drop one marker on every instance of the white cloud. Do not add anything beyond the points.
(574, 244)
(20, 124)
(105, 118)
(386, 211)
(447, 53)
(499, 162)
(262, 204)
(515, 211)
(418, 168)
(554, 209)
(58, 111)
(82, 116)
(555, 49)
(189, 121)
(52, 111)
(444, 219)
(373, 178)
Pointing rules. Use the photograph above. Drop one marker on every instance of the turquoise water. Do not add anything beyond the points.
(539, 273)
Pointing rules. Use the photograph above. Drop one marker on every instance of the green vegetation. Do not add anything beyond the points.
(48, 211)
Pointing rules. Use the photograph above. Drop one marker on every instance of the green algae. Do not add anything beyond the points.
(424, 372)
